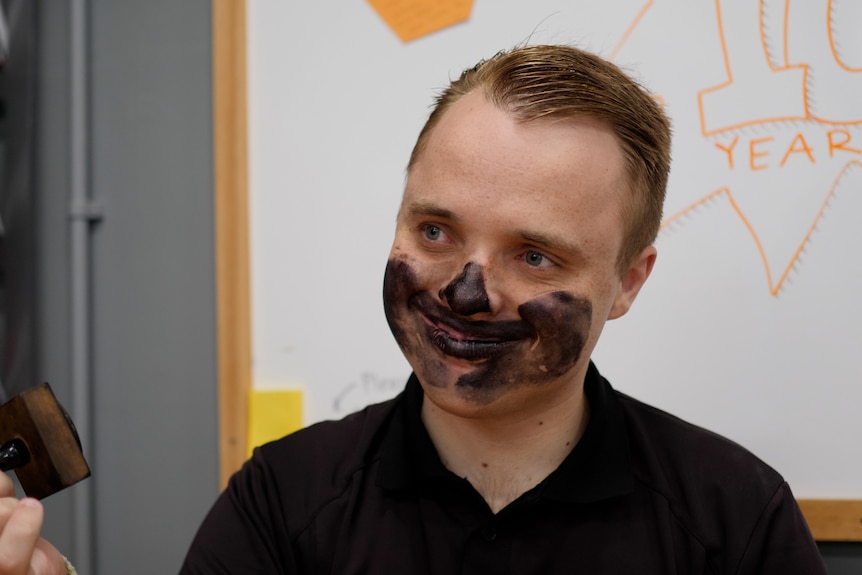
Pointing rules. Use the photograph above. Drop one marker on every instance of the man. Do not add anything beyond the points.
(533, 196)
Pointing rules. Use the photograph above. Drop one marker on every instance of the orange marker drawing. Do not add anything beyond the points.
(634, 24)
(836, 83)
(757, 91)
(774, 286)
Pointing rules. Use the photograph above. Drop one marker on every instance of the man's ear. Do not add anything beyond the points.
(632, 281)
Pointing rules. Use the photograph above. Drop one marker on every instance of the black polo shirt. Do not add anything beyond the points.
(642, 492)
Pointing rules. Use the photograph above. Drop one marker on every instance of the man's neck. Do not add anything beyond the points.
(505, 457)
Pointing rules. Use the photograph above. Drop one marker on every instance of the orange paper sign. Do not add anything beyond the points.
(410, 19)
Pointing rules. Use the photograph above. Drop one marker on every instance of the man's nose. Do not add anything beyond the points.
(466, 293)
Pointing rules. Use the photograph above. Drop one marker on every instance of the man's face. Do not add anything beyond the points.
(503, 270)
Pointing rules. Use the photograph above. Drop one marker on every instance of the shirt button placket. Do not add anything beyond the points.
(489, 551)
(489, 533)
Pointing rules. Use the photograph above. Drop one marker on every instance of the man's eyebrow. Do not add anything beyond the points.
(552, 242)
(429, 209)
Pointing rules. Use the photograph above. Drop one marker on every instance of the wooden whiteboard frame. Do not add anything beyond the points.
(230, 155)
(829, 520)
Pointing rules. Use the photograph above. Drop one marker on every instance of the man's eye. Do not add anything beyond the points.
(535, 259)
(432, 233)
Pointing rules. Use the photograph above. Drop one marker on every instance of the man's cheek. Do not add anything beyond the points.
(562, 323)
(399, 282)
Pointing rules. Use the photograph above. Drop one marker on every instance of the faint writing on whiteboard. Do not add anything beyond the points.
(368, 388)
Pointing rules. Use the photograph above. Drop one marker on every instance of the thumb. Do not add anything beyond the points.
(22, 551)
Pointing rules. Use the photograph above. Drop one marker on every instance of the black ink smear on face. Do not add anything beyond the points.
(400, 284)
(561, 323)
(541, 346)
(466, 293)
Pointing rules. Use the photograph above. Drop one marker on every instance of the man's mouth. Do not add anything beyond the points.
(470, 340)
(464, 346)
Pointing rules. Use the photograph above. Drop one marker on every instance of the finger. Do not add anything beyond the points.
(19, 537)
(7, 488)
(7, 506)
(47, 560)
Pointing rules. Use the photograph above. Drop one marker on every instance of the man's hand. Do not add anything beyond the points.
(22, 551)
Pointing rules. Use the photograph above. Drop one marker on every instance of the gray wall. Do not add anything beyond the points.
(153, 443)
(154, 431)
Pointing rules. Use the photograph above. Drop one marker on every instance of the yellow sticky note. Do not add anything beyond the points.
(410, 19)
(272, 413)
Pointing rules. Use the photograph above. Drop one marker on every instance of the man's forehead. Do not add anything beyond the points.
(550, 182)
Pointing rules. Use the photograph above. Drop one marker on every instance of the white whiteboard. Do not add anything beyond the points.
(336, 102)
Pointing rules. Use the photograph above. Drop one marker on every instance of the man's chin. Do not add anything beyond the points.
(445, 370)
(464, 400)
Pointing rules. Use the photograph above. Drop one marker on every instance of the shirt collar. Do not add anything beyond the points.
(599, 467)
(408, 457)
